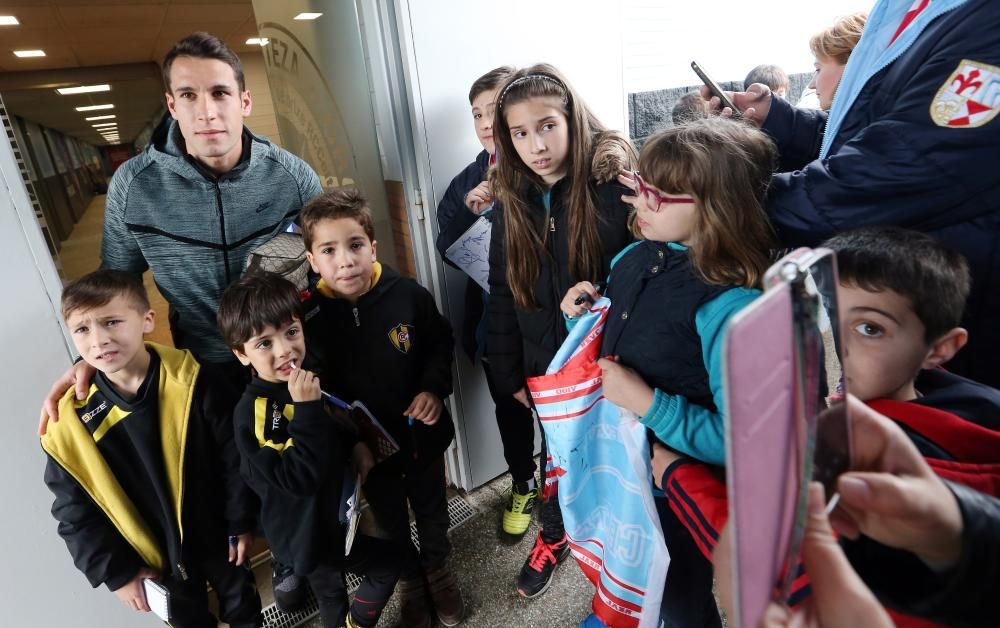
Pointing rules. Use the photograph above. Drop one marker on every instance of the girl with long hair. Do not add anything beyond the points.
(560, 219)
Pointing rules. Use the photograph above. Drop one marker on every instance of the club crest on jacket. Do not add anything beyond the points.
(970, 97)
(402, 337)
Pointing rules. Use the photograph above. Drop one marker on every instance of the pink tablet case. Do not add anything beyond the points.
(764, 464)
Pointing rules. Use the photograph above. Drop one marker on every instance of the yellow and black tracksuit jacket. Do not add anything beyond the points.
(294, 456)
(152, 481)
(383, 350)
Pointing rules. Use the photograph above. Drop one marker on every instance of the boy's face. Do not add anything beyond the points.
(483, 106)
(109, 337)
(273, 350)
(343, 256)
(883, 341)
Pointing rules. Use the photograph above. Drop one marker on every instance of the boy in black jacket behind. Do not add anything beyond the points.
(144, 471)
(295, 452)
(379, 338)
(464, 202)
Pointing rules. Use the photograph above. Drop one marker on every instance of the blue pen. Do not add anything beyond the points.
(413, 434)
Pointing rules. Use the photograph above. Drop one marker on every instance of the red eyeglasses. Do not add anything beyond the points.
(654, 198)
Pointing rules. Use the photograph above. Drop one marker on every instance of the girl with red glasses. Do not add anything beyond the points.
(703, 250)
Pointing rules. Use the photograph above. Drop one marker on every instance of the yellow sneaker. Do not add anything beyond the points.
(517, 513)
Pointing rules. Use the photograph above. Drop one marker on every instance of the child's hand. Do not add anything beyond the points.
(626, 179)
(569, 305)
(303, 386)
(662, 458)
(239, 550)
(133, 594)
(362, 460)
(479, 198)
(624, 387)
(425, 407)
(522, 397)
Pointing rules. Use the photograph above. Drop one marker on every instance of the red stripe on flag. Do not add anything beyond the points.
(570, 415)
(573, 394)
(610, 575)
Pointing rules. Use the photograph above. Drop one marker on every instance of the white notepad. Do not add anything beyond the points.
(158, 599)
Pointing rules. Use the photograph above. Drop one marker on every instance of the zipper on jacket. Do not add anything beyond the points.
(222, 227)
(182, 571)
(357, 319)
(552, 224)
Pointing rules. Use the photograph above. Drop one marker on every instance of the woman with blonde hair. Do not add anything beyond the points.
(832, 47)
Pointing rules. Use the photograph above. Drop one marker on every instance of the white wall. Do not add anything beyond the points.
(446, 45)
(39, 585)
(727, 37)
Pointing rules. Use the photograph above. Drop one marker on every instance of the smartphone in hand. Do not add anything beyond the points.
(715, 89)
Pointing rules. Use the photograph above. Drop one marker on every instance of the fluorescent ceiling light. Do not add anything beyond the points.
(8, 20)
(83, 89)
(307, 16)
(29, 53)
(95, 107)
(257, 41)
(104, 124)
(108, 117)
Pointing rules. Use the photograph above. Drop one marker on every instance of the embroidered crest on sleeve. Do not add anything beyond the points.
(402, 337)
(969, 98)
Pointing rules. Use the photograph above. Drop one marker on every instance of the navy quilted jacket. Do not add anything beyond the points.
(890, 163)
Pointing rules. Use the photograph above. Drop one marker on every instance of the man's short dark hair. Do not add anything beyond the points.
(491, 80)
(204, 46)
(345, 202)
(253, 303)
(690, 106)
(98, 288)
(914, 265)
(770, 75)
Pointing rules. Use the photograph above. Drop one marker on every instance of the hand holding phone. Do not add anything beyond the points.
(715, 89)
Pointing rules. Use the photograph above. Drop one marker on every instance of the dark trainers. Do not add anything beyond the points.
(413, 609)
(517, 513)
(290, 593)
(536, 574)
(445, 595)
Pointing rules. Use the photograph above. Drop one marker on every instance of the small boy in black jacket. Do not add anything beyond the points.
(144, 471)
(379, 338)
(295, 451)
(466, 199)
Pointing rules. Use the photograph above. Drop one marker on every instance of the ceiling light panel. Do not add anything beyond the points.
(83, 89)
(107, 117)
(29, 53)
(258, 41)
(307, 16)
(95, 107)
(8, 20)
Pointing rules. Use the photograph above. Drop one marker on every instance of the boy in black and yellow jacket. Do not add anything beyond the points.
(144, 470)
(378, 338)
(295, 452)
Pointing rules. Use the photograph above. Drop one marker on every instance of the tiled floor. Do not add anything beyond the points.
(487, 569)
